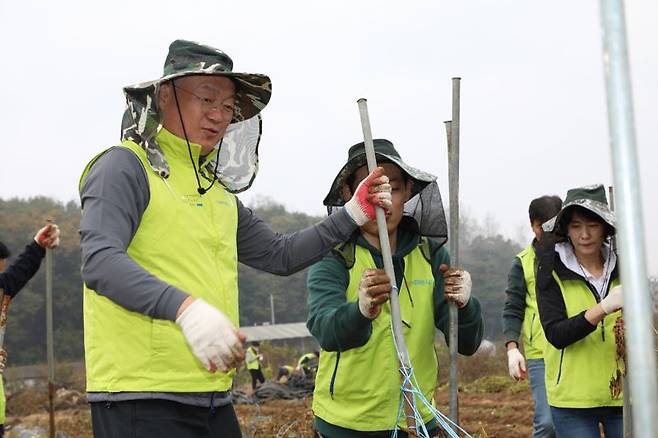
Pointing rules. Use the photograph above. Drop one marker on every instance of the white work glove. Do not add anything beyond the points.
(48, 236)
(456, 285)
(373, 191)
(516, 364)
(613, 301)
(374, 291)
(211, 336)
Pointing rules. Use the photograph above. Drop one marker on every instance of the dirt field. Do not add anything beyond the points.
(497, 415)
(489, 408)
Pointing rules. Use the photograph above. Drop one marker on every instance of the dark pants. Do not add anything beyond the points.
(256, 376)
(162, 418)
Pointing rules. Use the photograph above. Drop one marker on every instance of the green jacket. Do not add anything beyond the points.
(345, 335)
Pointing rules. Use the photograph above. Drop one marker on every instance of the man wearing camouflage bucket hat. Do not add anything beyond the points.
(348, 292)
(579, 298)
(161, 235)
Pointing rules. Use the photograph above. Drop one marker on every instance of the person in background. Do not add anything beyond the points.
(254, 359)
(13, 278)
(520, 314)
(308, 363)
(579, 297)
(284, 373)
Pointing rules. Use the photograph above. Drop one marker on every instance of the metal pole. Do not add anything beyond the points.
(272, 320)
(453, 241)
(640, 345)
(627, 416)
(49, 341)
(385, 247)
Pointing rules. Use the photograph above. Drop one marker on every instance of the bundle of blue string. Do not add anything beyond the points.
(411, 395)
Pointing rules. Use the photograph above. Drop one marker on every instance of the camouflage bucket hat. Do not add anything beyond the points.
(424, 210)
(186, 58)
(591, 198)
(238, 154)
(384, 152)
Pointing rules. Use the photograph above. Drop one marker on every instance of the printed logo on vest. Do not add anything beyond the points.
(192, 200)
(422, 281)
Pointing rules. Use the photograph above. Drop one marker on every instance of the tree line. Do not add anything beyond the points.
(485, 254)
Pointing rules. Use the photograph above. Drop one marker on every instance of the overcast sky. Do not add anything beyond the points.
(533, 115)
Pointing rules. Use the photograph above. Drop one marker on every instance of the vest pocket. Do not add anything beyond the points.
(333, 376)
(559, 370)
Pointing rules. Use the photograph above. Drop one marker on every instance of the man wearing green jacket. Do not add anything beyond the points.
(357, 388)
(162, 233)
(520, 314)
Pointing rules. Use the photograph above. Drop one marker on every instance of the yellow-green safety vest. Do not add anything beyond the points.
(534, 340)
(578, 376)
(359, 389)
(253, 364)
(3, 402)
(186, 240)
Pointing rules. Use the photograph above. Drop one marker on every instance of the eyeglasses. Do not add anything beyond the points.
(208, 104)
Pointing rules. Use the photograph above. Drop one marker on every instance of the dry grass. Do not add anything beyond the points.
(491, 404)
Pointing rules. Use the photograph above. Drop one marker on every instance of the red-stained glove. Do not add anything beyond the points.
(373, 191)
(48, 236)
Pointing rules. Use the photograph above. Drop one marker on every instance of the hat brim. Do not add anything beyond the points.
(335, 197)
(556, 225)
(253, 90)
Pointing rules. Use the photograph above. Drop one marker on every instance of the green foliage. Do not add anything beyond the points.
(26, 329)
(490, 384)
(488, 258)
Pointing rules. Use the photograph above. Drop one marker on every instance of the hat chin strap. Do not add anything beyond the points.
(202, 191)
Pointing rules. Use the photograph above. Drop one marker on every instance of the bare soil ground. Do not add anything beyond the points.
(486, 411)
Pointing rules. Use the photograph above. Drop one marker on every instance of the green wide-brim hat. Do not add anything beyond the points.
(591, 198)
(186, 58)
(384, 152)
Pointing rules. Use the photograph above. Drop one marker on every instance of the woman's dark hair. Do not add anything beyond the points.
(544, 208)
(588, 215)
(4, 251)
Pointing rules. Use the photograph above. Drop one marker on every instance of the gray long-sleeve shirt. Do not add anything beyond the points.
(114, 196)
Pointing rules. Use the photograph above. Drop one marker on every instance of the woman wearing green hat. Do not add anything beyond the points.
(357, 387)
(579, 299)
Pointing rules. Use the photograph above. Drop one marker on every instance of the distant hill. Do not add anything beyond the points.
(487, 256)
